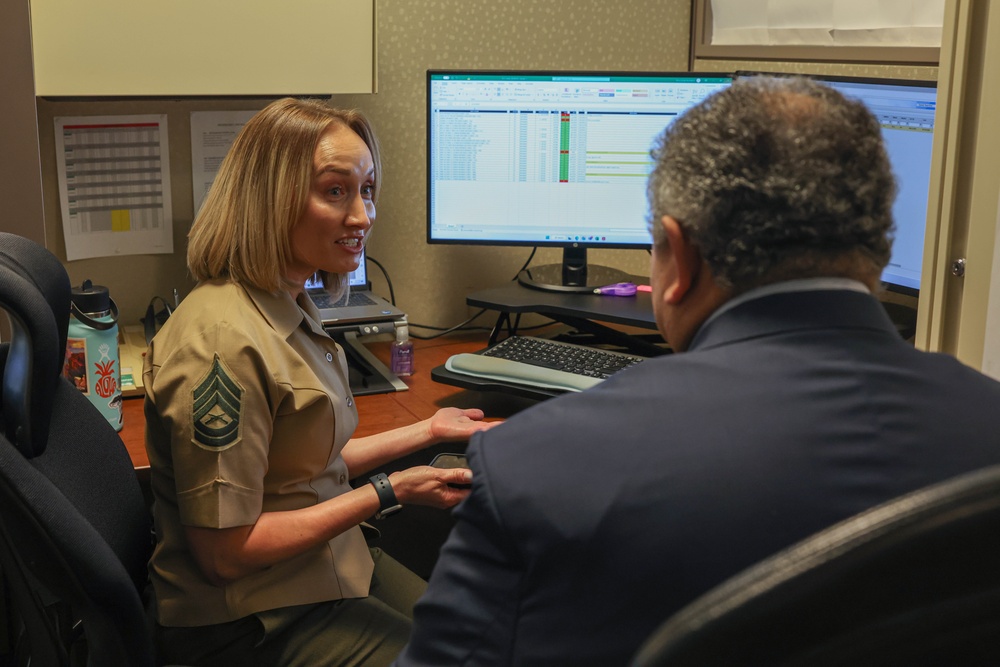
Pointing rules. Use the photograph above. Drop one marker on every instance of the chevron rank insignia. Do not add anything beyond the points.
(217, 409)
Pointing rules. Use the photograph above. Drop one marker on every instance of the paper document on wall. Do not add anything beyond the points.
(114, 185)
(212, 133)
(827, 22)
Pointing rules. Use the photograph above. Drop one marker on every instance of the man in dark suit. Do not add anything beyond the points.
(792, 402)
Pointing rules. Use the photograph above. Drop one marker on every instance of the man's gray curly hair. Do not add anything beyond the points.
(775, 179)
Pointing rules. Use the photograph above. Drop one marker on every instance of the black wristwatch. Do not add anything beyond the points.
(386, 496)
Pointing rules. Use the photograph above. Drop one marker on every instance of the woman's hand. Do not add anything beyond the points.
(434, 487)
(447, 425)
(450, 424)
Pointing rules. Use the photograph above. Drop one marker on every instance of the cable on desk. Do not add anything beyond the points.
(526, 263)
(392, 293)
(445, 332)
(462, 327)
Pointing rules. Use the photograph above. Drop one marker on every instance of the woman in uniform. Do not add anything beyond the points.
(260, 555)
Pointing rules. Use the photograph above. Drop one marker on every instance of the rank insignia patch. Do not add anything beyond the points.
(217, 409)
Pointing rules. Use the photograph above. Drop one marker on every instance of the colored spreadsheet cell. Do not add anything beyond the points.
(121, 221)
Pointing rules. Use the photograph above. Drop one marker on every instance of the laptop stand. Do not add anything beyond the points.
(367, 374)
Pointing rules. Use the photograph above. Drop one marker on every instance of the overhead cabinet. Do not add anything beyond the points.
(108, 48)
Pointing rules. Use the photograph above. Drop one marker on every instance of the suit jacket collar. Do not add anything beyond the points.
(795, 311)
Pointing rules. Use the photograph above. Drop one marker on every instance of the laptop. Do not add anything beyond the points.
(358, 306)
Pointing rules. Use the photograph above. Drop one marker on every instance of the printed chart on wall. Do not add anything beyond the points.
(114, 185)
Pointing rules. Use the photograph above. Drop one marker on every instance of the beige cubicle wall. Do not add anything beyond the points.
(20, 169)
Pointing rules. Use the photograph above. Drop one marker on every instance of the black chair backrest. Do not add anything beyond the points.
(915, 581)
(74, 526)
(38, 343)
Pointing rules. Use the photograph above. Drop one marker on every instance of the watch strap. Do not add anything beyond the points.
(388, 504)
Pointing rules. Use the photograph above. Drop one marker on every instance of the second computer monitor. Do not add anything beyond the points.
(905, 109)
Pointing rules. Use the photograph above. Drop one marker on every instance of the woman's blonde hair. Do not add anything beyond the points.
(242, 232)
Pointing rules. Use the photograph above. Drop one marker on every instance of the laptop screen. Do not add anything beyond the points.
(358, 278)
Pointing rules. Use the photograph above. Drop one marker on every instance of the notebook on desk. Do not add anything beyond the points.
(359, 306)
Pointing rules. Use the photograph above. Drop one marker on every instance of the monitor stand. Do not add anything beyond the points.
(367, 375)
(573, 275)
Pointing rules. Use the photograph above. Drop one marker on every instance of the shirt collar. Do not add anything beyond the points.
(787, 286)
(284, 314)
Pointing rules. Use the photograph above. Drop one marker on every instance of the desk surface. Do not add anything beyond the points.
(379, 412)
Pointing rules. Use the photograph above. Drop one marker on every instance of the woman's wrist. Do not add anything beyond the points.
(428, 433)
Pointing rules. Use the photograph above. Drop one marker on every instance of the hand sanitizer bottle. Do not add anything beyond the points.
(401, 362)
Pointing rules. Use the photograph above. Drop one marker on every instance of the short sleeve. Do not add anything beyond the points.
(214, 395)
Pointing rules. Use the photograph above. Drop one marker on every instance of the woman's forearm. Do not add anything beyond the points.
(228, 554)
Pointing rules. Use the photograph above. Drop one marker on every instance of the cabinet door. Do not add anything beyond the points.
(202, 47)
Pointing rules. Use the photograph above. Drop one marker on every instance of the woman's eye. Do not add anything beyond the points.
(368, 190)
(336, 190)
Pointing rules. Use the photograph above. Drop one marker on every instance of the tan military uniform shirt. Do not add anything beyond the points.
(247, 410)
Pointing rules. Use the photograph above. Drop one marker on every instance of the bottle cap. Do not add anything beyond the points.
(91, 298)
(402, 333)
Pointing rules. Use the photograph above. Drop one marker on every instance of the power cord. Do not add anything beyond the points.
(445, 331)
(463, 326)
(392, 293)
(526, 263)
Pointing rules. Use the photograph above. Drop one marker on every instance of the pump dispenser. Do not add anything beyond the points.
(401, 361)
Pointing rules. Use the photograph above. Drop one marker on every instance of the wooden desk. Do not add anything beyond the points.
(379, 412)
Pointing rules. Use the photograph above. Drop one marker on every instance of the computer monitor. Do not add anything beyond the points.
(549, 159)
(905, 109)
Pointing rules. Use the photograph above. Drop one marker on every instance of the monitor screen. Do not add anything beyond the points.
(358, 278)
(557, 159)
(905, 109)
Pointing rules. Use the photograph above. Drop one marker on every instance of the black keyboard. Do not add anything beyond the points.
(322, 299)
(540, 362)
(566, 357)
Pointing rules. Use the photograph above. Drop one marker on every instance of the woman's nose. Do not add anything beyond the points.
(359, 214)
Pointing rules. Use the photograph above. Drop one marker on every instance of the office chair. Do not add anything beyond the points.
(915, 581)
(74, 527)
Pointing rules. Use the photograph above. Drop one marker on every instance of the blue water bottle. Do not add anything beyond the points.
(92, 363)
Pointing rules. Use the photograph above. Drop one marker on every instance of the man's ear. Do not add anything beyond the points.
(685, 258)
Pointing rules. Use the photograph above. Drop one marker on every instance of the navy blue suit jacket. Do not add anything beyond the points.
(594, 516)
